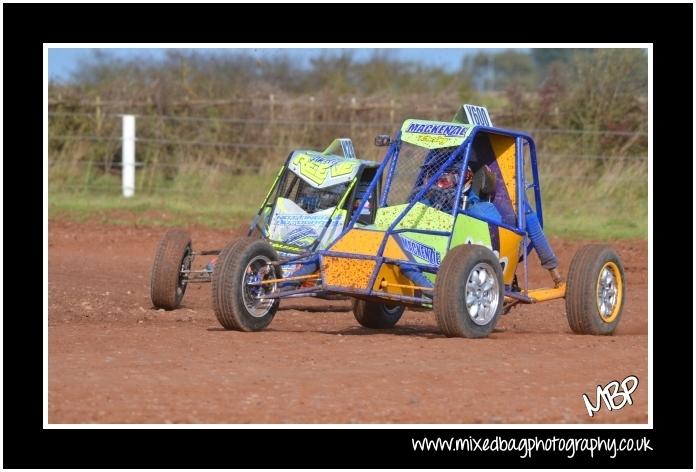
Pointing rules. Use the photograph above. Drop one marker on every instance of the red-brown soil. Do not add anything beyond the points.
(115, 359)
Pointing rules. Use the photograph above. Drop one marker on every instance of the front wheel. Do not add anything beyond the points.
(595, 290)
(240, 271)
(172, 258)
(468, 296)
(377, 315)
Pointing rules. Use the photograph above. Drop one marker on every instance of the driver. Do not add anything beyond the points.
(308, 198)
(313, 199)
(441, 196)
(478, 188)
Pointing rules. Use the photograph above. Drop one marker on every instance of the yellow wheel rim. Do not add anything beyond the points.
(609, 292)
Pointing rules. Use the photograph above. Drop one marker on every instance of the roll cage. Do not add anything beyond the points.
(386, 172)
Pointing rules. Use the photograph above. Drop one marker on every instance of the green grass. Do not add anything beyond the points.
(146, 210)
(563, 217)
(611, 205)
(184, 202)
(579, 225)
(580, 201)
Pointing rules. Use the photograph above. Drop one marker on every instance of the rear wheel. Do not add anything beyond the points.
(595, 290)
(167, 282)
(240, 268)
(469, 293)
(377, 315)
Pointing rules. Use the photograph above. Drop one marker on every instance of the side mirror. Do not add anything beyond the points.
(382, 140)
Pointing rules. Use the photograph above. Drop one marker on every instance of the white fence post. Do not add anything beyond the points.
(128, 156)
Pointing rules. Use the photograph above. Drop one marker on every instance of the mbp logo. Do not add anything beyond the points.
(609, 393)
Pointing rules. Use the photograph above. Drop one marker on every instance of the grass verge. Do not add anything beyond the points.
(562, 217)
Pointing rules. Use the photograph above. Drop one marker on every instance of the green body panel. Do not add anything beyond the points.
(321, 170)
(419, 217)
(468, 230)
(436, 242)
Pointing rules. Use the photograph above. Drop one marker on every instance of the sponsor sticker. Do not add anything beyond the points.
(301, 220)
(435, 128)
(420, 250)
(477, 115)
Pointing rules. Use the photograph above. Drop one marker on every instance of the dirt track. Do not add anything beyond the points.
(115, 359)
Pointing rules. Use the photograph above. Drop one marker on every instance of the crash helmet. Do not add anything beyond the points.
(450, 178)
(330, 196)
(308, 198)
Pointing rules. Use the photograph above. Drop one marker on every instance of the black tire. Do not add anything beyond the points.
(167, 285)
(377, 315)
(450, 295)
(230, 290)
(584, 290)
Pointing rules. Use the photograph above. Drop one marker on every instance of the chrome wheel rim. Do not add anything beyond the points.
(258, 269)
(607, 292)
(182, 280)
(482, 294)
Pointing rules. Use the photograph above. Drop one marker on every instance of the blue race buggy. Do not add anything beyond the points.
(445, 223)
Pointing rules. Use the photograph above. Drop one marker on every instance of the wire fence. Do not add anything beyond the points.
(277, 146)
(217, 121)
(166, 141)
(85, 146)
(283, 122)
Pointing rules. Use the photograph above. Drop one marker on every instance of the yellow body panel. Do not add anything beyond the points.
(344, 272)
(362, 241)
(510, 250)
(504, 148)
(355, 273)
(397, 283)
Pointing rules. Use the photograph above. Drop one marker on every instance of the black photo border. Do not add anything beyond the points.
(26, 27)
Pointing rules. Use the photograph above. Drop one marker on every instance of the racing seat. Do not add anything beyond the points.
(481, 195)
(483, 184)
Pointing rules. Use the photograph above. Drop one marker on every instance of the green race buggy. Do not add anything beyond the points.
(314, 196)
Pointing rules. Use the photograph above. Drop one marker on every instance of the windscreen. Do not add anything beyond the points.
(414, 166)
(311, 199)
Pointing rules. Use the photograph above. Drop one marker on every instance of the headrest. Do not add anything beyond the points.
(483, 181)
